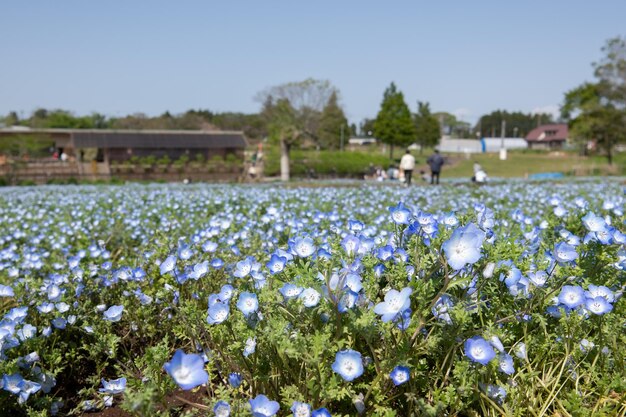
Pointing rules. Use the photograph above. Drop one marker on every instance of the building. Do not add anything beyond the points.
(484, 145)
(93, 152)
(552, 136)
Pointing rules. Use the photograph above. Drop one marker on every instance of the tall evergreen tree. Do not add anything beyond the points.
(332, 123)
(427, 126)
(394, 125)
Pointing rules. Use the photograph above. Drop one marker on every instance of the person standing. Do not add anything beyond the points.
(407, 165)
(435, 161)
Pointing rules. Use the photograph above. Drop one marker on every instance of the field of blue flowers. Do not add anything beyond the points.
(505, 299)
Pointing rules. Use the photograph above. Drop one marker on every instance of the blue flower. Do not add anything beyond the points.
(187, 370)
(301, 409)
(168, 265)
(248, 303)
(321, 412)
(11, 383)
(217, 313)
(463, 247)
(290, 291)
(250, 347)
(243, 268)
(594, 291)
(221, 409)
(400, 375)
(303, 246)
(571, 296)
(114, 313)
(263, 407)
(400, 214)
(593, 223)
(505, 364)
(598, 305)
(310, 297)
(235, 379)
(348, 364)
(276, 264)
(565, 253)
(479, 350)
(350, 244)
(395, 303)
(114, 386)
(6, 291)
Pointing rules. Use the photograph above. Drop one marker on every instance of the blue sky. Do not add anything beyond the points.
(469, 58)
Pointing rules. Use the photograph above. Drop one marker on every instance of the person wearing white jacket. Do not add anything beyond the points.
(407, 165)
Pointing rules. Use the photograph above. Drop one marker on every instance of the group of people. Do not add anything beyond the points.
(404, 172)
(435, 162)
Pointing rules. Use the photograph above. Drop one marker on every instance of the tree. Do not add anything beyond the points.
(490, 125)
(333, 124)
(293, 112)
(598, 110)
(394, 125)
(452, 126)
(427, 126)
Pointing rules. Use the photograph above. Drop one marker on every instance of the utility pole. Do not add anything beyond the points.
(502, 148)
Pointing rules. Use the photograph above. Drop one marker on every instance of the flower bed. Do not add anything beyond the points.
(499, 300)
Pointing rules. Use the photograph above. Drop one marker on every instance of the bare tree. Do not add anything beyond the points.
(293, 111)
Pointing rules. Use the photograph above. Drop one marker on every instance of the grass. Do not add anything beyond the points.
(520, 164)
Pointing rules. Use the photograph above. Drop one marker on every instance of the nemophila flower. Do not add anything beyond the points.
(243, 268)
(114, 313)
(593, 223)
(594, 291)
(464, 246)
(565, 253)
(598, 305)
(11, 383)
(221, 409)
(6, 291)
(310, 297)
(400, 375)
(235, 379)
(496, 343)
(495, 392)
(263, 407)
(395, 302)
(442, 308)
(248, 303)
(350, 244)
(226, 292)
(217, 263)
(301, 409)
(479, 350)
(400, 214)
(290, 291)
(586, 345)
(168, 265)
(520, 350)
(250, 347)
(26, 389)
(347, 301)
(385, 253)
(538, 278)
(348, 364)
(571, 296)
(59, 323)
(217, 313)
(187, 370)
(505, 364)
(355, 225)
(303, 246)
(114, 386)
(321, 412)
(276, 264)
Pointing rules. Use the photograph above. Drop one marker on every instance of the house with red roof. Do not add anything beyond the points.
(552, 136)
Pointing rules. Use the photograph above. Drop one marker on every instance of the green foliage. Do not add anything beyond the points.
(597, 111)
(518, 124)
(427, 126)
(333, 124)
(394, 125)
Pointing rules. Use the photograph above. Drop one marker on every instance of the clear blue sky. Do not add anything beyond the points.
(465, 57)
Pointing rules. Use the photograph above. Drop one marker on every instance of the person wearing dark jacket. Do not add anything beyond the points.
(435, 161)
